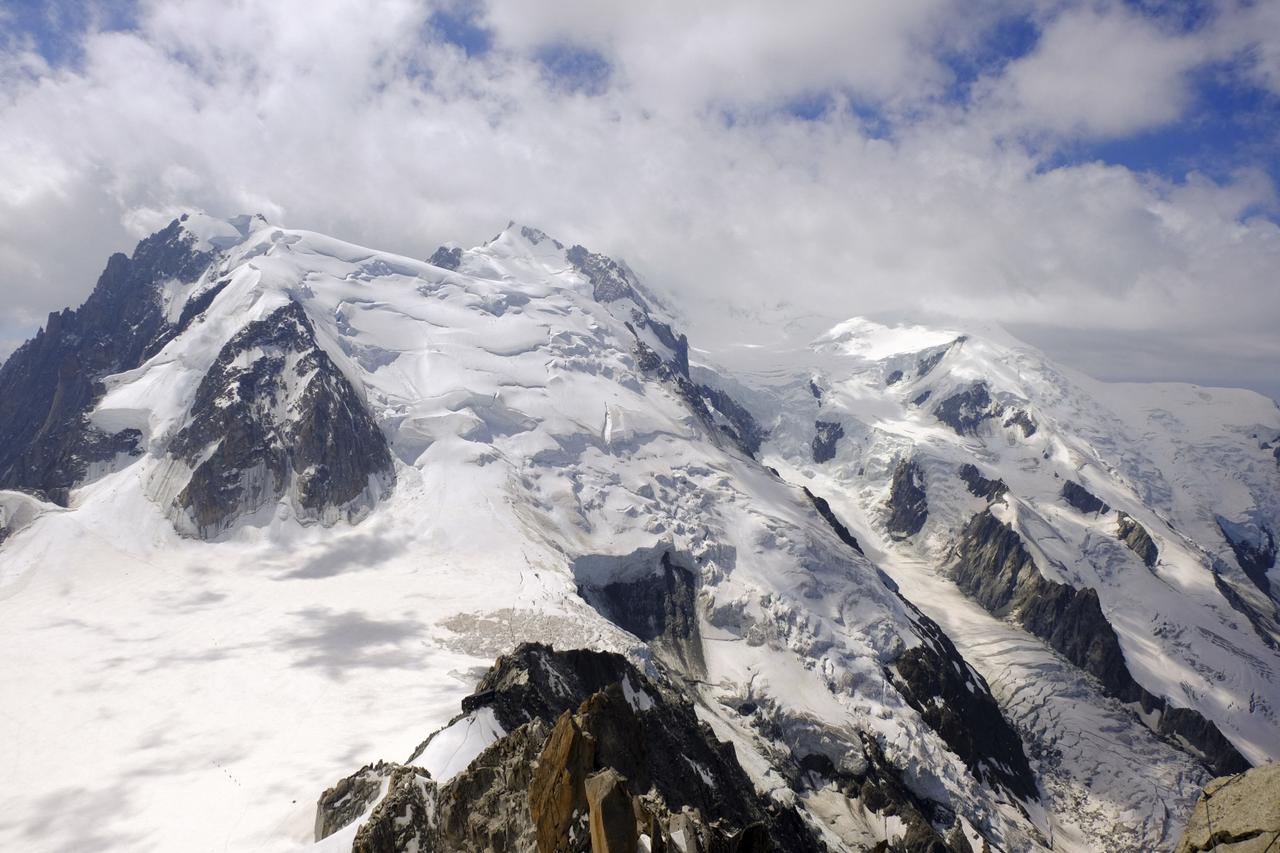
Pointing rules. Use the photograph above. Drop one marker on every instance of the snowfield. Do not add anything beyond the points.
(164, 692)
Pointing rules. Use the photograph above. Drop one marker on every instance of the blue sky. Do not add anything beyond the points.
(1097, 171)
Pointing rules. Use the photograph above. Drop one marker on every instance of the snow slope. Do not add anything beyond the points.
(171, 692)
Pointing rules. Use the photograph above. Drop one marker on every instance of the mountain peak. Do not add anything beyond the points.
(209, 233)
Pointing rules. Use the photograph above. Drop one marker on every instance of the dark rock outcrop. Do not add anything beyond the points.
(537, 236)
(718, 411)
(659, 608)
(956, 702)
(613, 820)
(992, 565)
(893, 378)
(556, 780)
(609, 280)
(908, 505)
(734, 418)
(980, 486)
(1134, 535)
(273, 413)
(931, 359)
(49, 385)
(964, 411)
(1082, 499)
(1236, 814)
(864, 774)
(829, 516)
(1255, 550)
(826, 436)
(1022, 421)
(446, 257)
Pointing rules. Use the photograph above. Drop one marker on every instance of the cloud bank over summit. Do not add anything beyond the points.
(1098, 176)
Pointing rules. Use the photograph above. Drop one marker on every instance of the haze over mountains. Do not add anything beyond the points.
(273, 504)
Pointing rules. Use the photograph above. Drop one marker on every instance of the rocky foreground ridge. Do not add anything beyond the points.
(590, 755)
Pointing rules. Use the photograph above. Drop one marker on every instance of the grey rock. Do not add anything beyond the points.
(964, 411)
(980, 486)
(48, 386)
(1082, 499)
(609, 279)
(829, 516)
(1135, 536)
(350, 798)
(1255, 550)
(1022, 421)
(446, 258)
(908, 505)
(1236, 814)
(537, 236)
(956, 702)
(827, 435)
(659, 608)
(243, 455)
(992, 565)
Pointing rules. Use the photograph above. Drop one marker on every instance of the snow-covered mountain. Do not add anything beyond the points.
(274, 503)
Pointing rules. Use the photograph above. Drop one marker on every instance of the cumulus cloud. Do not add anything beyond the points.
(1101, 73)
(668, 134)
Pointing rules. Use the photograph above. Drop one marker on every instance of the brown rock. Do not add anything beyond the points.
(557, 798)
(1237, 814)
(613, 819)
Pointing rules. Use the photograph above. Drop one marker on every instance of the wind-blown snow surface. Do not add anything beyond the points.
(164, 692)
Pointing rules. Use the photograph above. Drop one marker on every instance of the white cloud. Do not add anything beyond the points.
(345, 119)
(1101, 73)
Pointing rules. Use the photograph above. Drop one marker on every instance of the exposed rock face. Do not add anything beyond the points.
(660, 609)
(908, 506)
(537, 235)
(275, 414)
(1255, 550)
(965, 411)
(865, 775)
(613, 821)
(1022, 421)
(980, 486)
(956, 703)
(827, 435)
(992, 565)
(1236, 814)
(893, 378)
(564, 781)
(1082, 499)
(350, 798)
(1136, 537)
(48, 386)
(734, 419)
(929, 360)
(609, 280)
(446, 258)
(824, 510)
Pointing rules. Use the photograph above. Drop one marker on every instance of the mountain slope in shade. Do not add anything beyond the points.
(288, 501)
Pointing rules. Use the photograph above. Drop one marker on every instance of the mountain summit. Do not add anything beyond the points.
(274, 506)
